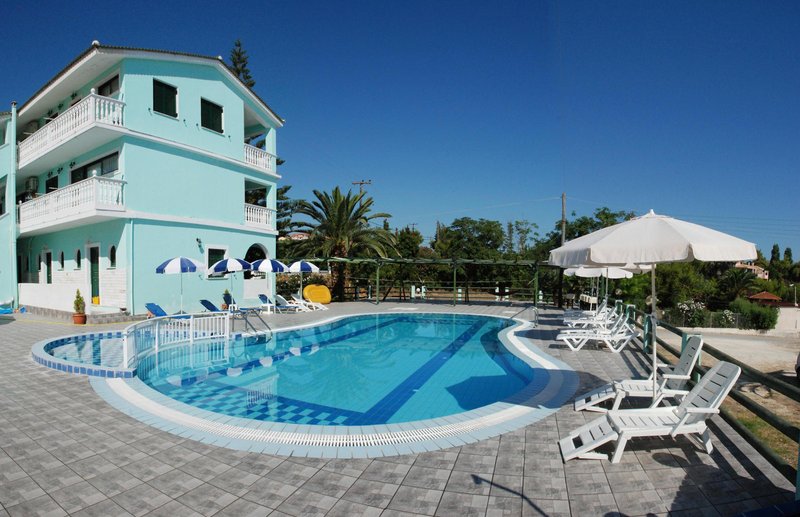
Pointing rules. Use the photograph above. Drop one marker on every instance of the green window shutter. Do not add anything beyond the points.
(211, 115)
(165, 98)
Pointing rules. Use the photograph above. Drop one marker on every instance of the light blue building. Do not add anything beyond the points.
(128, 157)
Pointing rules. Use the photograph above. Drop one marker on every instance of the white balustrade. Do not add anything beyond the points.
(260, 158)
(259, 216)
(85, 196)
(90, 110)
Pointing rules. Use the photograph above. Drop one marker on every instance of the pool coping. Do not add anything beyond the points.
(529, 405)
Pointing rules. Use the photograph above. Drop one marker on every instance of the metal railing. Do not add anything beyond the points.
(95, 193)
(150, 335)
(780, 424)
(259, 158)
(92, 109)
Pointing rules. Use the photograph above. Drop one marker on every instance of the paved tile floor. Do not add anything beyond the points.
(63, 450)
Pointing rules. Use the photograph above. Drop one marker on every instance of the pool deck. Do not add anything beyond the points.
(64, 450)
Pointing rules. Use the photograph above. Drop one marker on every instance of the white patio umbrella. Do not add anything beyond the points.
(301, 266)
(650, 240)
(596, 272)
(178, 266)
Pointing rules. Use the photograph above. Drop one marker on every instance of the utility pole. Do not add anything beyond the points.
(361, 188)
(413, 226)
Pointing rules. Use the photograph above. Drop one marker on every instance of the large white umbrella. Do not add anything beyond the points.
(652, 239)
(594, 272)
(178, 266)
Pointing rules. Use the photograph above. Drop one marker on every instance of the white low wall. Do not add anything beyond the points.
(255, 286)
(52, 296)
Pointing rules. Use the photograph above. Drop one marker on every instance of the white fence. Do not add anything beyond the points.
(94, 108)
(95, 193)
(260, 158)
(144, 336)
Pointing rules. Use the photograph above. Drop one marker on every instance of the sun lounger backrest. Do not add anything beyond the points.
(264, 298)
(155, 309)
(712, 389)
(686, 362)
(209, 306)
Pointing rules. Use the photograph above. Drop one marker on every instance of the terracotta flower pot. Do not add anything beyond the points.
(79, 319)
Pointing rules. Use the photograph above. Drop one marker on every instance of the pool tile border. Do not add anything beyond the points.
(40, 354)
(533, 403)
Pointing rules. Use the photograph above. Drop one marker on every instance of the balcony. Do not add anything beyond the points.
(259, 158)
(88, 201)
(259, 217)
(93, 121)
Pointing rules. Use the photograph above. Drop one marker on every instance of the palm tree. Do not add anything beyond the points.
(736, 281)
(340, 227)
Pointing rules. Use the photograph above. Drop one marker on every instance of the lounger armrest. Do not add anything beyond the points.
(701, 410)
(675, 376)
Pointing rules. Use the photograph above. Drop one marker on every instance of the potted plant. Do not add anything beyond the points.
(79, 305)
(227, 299)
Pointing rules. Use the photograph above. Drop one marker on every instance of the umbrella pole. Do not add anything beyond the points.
(654, 344)
(181, 275)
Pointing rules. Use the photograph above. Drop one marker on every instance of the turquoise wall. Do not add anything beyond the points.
(164, 180)
(8, 224)
(154, 242)
(193, 83)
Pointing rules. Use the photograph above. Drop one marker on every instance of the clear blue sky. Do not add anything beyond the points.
(492, 109)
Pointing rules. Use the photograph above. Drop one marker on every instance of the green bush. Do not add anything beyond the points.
(755, 316)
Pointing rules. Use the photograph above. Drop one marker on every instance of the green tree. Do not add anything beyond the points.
(735, 282)
(239, 64)
(787, 257)
(340, 226)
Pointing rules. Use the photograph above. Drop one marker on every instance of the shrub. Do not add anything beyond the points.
(694, 312)
(755, 316)
(79, 304)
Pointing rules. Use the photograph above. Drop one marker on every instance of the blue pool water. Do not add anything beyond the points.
(362, 370)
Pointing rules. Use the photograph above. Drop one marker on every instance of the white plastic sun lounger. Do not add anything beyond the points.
(577, 313)
(312, 306)
(616, 338)
(673, 383)
(689, 418)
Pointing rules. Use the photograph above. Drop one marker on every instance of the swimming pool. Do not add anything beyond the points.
(364, 370)
(256, 395)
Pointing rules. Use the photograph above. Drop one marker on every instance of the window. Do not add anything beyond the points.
(112, 257)
(38, 263)
(2, 196)
(165, 98)
(110, 87)
(99, 167)
(51, 184)
(211, 115)
(214, 255)
(78, 259)
(255, 194)
(61, 260)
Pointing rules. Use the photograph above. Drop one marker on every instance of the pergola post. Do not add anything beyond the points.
(454, 283)
(378, 285)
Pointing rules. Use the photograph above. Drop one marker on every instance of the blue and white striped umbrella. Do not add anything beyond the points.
(269, 266)
(229, 266)
(179, 265)
(301, 266)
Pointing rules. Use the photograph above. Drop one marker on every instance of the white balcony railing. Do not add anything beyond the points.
(90, 110)
(259, 217)
(260, 158)
(84, 197)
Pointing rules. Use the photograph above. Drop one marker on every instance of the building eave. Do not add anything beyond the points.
(164, 54)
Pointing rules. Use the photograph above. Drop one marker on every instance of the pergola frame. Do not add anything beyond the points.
(454, 262)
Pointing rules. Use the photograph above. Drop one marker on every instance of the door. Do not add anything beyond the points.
(48, 266)
(94, 273)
